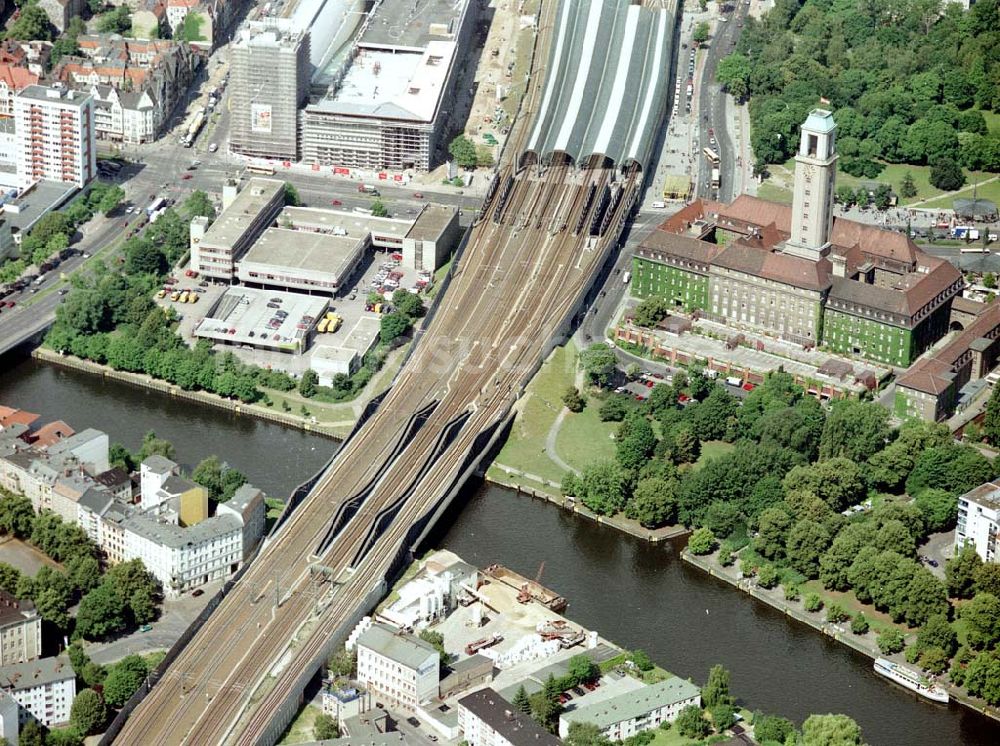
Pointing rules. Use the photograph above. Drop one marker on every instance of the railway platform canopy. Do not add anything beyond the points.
(606, 84)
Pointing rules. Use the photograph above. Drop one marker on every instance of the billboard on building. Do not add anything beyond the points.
(260, 118)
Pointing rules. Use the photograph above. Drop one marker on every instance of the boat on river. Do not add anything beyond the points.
(911, 680)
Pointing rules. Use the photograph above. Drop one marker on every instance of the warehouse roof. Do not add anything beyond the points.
(283, 248)
(606, 86)
(241, 214)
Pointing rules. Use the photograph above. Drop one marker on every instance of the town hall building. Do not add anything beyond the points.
(798, 273)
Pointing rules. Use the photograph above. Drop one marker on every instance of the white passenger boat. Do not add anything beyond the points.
(911, 680)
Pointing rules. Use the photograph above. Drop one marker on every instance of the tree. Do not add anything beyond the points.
(88, 713)
(700, 33)
(767, 576)
(767, 728)
(855, 430)
(521, 701)
(937, 632)
(837, 481)
(585, 734)
(408, 303)
(716, 690)
(582, 669)
(342, 663)
(111, 199)
(653, 502)
(859, 624)
(598, 362)
(124, 678)
(939, 509)
(960, 572)
(291, 195)
(642, 660)
(991, 421)
(807, 541)
(602, 487)
(435, 639)
(615, 408)
(772, 530)
(952, 467)
(393, 326)
(907, 187)
(987, 578)
(983, 677)
(32, 24)
(733, 73)
(31, 732)
(691, 723)
(635, 442)
(990, 280)
(890, 640)
(463, 151)
(572, 400)
(307, 384)
(325, 727)
(982, 621)
(830, 730)
(946, 174)
(117, 21)
(702, 541)
(813, 603)
(379, 210)
(153, 446)
(545, 709)
(101, 613)
(651, 311)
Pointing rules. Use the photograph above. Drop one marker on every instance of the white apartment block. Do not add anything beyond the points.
(979, 520)
(398, 667)
(20, 630)
(55, 135)
(629, 713)
(44, 689)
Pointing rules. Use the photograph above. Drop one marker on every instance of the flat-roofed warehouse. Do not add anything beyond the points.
(302, 260)
(387, 105)
(606, 86)
(267, 319)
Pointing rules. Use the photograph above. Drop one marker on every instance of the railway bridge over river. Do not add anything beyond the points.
(557, 208)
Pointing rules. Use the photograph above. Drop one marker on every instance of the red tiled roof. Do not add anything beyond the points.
(10, 416)
(51, 434)
(744, 256)
(17, 78)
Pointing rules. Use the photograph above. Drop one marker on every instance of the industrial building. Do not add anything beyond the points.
(265, 319)
(344, 359)
(270, 80)
(318, 250)
(385, 106)
(244, 216)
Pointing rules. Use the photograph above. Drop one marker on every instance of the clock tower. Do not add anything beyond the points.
(815, 174)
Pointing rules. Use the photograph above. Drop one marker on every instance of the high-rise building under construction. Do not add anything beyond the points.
(270, 80)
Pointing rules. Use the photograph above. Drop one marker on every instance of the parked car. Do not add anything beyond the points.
(198, 591)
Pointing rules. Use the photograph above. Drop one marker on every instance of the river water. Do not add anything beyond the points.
(637, 594)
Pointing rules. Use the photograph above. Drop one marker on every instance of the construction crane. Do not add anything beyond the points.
(525, 595)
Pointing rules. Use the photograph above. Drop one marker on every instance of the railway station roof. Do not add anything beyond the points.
(605, 90)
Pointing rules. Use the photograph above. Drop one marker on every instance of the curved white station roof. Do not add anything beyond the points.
(606, 87)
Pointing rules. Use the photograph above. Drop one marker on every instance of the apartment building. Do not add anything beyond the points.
(44, 688)
(627, 714)
(55, 136)
(487, 719)
(270, 80)
(20, 630)
(216, 249)
(9, 718)
(979, 521)
(399, 667)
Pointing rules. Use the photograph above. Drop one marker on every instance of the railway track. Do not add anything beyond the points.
(517, 282)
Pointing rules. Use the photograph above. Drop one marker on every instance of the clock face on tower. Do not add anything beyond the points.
(807, 172)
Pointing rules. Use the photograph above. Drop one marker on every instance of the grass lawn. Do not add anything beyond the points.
(712, 449)
(849, 602)
(778, 187)
(301, 729)
(583, 438)
(774, 193)
(992, 121)
(989, 191)
(673, 738)
(525, 446)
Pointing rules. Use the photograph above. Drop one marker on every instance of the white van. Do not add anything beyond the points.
(659, 204)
